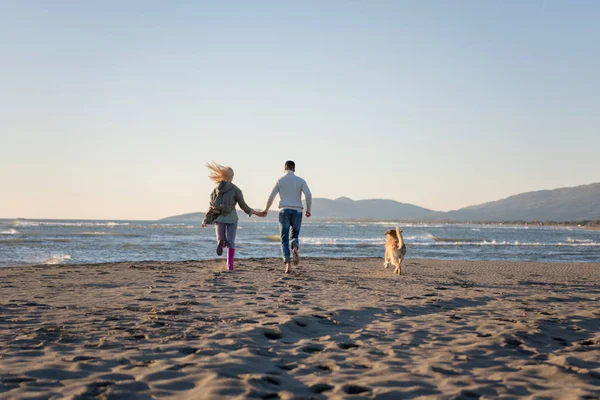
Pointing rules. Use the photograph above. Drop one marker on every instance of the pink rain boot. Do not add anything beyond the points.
(230, 257)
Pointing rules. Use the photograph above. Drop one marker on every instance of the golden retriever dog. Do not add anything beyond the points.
(395, 249)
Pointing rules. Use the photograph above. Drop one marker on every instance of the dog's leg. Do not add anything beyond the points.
(396, 261)
(386, 263)
(401, 255)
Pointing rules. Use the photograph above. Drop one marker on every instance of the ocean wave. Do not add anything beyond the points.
(12, 241)
(69, 224)
(10, 232)
(419, 238)
(339, 241)
(102, 233)
(57, 259)
(580, 244)
(332, 241)
(457, 240)
(507, 243)
(582, 241)
(442, 243)
(272, 238)
(100, 224)
(180, 225)
(402, 225)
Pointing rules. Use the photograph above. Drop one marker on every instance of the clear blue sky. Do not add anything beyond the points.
(110, 109)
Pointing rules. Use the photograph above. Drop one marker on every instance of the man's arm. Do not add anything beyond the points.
(272, 196)
(308, 197)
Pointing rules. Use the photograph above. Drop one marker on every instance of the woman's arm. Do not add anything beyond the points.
(209, 210)
(239, 198)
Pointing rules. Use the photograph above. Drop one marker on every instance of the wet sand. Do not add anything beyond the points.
(332, 329)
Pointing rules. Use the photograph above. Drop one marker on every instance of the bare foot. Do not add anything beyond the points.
(296, 257)
(287, 268)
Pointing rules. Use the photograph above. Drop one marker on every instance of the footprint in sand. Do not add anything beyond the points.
(177, 367)
(97, 389)
(272, 335)
(321, 387)
(12, 382)
(355, 389)
(347, 346)
(312, 348)
(287, 367)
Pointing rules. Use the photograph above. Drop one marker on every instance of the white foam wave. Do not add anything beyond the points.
(507, 243)
(579, 244)
(319, 241)
(428, 240)
(572, 240)
(420, 238)
(401, 225)
(75, 224)
(10, 232)
(57, 259)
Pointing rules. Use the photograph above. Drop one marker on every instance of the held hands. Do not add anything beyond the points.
(261, 214)
(203, 225)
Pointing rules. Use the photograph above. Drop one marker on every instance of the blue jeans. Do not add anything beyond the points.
(289, 218)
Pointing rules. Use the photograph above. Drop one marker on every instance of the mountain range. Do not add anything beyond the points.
(565, 204)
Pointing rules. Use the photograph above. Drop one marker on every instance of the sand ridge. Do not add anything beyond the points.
(334, 328)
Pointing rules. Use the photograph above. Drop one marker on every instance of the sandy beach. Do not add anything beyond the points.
(334, 328)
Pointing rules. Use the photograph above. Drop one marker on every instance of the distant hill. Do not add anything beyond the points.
(566, 204)
(345, 208)
(197, 217)
(190, 217)
(378, 209)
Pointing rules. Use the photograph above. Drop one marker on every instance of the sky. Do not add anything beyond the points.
(111, 109)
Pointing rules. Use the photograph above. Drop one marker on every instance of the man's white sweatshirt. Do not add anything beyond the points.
(290, 188)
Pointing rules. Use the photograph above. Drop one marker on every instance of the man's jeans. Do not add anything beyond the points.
(289, 218)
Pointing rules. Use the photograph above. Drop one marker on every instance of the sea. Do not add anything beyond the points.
(33, 242)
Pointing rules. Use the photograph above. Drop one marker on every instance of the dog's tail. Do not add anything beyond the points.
(399, 237)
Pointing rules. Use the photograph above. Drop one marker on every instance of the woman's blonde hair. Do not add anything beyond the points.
(219, 173)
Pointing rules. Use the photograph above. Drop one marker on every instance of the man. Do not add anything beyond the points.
(290, 188)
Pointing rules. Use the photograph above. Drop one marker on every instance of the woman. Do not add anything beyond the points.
(222, 211)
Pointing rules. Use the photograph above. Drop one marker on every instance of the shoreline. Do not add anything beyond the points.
(342, 328)
(278, 261)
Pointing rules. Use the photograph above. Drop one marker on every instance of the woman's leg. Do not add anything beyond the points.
(231, 232)
(220, 231)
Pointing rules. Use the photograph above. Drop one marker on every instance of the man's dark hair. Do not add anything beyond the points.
(290, 165)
